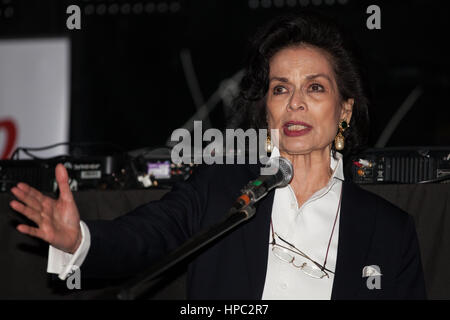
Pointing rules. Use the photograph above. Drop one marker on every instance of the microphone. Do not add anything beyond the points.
(256, 189)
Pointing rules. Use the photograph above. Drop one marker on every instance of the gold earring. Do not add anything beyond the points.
(268, 144)
(339, 140)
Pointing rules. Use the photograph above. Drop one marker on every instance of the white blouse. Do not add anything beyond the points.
(309, 229)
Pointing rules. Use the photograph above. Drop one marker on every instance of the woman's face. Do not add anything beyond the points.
(303, 101)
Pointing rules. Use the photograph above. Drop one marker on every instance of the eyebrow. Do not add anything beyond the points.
(281, 79)
(318, 75)
(309, 77)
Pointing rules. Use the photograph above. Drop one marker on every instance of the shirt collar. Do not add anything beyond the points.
(336, 165)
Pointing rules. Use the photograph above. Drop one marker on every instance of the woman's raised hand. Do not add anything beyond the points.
(58, 220)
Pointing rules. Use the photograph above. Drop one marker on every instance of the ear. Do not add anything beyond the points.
(347, 109)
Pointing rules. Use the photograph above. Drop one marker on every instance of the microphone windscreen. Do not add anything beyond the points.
(284, 171)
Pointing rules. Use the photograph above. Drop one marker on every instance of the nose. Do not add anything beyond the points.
(297, 101)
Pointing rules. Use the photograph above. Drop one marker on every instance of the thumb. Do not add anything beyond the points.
(62, 178)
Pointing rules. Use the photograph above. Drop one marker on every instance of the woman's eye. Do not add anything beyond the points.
(279, 90)
(315, 87)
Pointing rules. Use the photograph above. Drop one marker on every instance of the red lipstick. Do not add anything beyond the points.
(296, 128)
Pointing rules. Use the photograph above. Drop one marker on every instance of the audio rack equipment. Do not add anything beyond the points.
(402, 165)
(157, 169)
(85, 172)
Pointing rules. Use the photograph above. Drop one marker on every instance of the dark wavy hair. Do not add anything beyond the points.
(249, 108)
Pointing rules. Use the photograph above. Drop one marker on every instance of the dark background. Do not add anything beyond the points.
(128, 86)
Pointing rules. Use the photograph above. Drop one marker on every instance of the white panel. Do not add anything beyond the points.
(35, 92)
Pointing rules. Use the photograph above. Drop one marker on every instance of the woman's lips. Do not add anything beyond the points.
(296, 128)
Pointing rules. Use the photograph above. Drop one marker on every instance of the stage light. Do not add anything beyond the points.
(125, 9)
(329, 2)
(89, 9)
(101, 9)
(138, 8)
(266, 3)
(291, 3)
(7, 12)
(304, 3)
(175, 7)
(317, 2)
(150, 7)
(278, 3)
(253, 4)
(162, 7)
(113, 9)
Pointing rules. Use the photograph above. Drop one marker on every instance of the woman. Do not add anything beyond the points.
(321, 237)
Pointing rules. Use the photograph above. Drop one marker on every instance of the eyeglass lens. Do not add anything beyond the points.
(289, 257)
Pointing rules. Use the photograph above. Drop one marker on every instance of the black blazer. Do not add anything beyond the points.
(372, 231)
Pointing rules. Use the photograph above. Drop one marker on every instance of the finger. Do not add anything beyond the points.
(32, 191)
(34, 232)
(27, 199)
(26, 211)
(62, 178)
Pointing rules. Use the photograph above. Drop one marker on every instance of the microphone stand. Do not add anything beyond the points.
(144, 281)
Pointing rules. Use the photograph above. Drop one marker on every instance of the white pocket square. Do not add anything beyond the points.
(370, 271)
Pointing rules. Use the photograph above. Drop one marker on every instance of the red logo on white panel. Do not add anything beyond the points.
(8, 129)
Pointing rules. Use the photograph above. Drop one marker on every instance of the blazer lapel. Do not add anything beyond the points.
(356, 226)
(256, 241)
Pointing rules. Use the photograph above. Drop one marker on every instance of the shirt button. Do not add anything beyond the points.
(283, 286)
(293, 206)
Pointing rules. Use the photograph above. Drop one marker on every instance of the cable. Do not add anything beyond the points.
(80, 144)
(398, 116)
(210, 104)
(144, 151)
(440, 179)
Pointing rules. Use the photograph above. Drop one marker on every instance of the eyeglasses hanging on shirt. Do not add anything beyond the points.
(288, 254)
